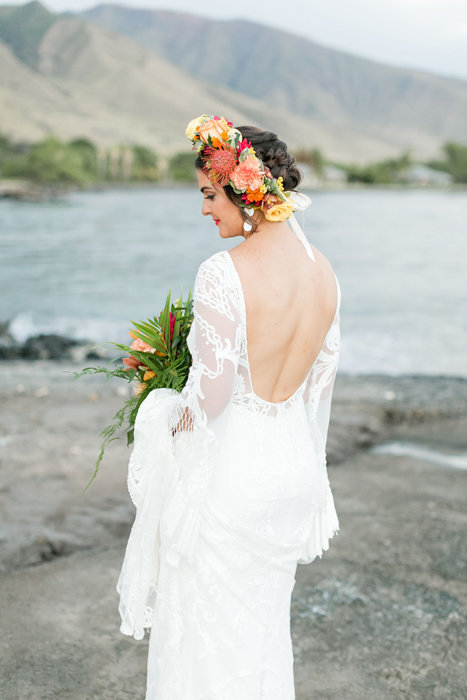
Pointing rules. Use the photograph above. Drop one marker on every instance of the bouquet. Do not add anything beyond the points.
(158, 358)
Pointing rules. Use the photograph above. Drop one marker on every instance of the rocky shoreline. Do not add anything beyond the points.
(49, 346)
(381, 615)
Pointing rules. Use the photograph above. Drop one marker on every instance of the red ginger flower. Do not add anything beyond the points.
(172, 324)
(242, 145)
(172, 319)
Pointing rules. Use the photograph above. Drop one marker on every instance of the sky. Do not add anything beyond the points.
(425, 34)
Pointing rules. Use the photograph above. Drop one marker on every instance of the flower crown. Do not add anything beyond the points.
(230, 159)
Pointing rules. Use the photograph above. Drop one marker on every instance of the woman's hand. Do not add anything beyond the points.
(185, 422)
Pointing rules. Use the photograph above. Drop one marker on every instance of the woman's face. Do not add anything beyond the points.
(217, 205)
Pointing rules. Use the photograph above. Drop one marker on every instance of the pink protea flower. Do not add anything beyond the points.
(247, 174)
(219, 163)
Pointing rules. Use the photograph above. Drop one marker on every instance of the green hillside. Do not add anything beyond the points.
(22, 29)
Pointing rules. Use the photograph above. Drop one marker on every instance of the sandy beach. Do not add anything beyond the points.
(381, 615)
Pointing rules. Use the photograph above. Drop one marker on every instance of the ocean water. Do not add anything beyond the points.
(85, 264)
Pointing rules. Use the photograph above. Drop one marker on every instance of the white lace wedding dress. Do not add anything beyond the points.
(227, 505)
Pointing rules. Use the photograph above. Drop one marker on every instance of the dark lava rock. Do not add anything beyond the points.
(46, 347)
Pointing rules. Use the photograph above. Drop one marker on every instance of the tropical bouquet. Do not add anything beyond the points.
(158, 358)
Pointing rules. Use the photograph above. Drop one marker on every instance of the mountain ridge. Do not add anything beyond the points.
(298, 74)
(72, 76)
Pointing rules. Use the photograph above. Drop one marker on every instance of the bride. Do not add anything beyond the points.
(229, 477)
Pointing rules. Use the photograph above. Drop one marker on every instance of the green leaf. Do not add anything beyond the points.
(151, 337)
(166, 322)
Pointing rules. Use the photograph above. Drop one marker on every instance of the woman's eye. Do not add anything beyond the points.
(209, 196)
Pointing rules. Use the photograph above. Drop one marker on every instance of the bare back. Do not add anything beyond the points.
(290, 305)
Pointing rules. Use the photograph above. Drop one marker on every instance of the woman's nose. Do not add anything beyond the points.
(205, 208)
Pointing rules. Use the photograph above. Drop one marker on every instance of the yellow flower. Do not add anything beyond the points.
(193, 125)
(148, 375)
(280, 183)
(279, 212)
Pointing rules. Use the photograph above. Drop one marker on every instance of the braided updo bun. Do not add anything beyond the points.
(274, 154)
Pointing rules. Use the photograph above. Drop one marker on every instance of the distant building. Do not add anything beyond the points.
(419, 174)
(310, 179)
(332, 175)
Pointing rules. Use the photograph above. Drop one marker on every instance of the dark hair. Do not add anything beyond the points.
(274, 155)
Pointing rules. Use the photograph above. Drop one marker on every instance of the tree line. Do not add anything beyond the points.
(80, 162)
(391, 170)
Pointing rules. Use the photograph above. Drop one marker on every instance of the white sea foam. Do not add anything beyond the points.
(25, 325)
(427, 454)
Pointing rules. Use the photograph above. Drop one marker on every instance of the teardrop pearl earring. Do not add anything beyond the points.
(246, 224)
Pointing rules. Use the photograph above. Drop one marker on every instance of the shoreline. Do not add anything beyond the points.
(62, 349)
(25, 190)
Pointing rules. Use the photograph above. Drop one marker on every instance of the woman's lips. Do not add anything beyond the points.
(216, 221)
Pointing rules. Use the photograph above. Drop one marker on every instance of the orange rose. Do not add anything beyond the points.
(215, 128)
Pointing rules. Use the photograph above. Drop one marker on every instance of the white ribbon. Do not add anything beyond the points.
(300, 202)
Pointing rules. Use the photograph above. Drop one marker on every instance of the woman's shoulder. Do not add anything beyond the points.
(215, 259)
(216, 272)
(217, 287)
(215, 266)
(252, 259)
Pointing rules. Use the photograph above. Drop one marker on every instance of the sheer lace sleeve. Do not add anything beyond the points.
(318, 397)
(215, 348)
(176, 438)
(320, 386)
(197, 422)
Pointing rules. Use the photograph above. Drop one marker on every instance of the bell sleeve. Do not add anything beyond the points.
(175, 443)
(197, 423)
(318, 398)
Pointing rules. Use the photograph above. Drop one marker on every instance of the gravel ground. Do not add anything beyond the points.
(381, 615)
